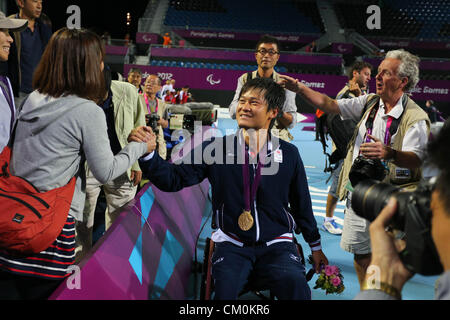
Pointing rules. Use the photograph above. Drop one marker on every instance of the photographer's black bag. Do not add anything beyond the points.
(341, 131)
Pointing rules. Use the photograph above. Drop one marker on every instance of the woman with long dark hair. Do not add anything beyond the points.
(59, 126)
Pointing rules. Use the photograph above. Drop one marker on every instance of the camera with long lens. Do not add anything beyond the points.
(364, 169)
(152, 122)
(413, 217)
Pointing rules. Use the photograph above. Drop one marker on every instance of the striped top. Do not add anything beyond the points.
(52, 263)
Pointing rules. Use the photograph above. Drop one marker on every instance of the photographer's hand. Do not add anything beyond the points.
(385, 256)
(163, 123)
(354, 88)
(375, 150)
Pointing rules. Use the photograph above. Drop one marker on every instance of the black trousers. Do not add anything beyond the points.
(15, 287)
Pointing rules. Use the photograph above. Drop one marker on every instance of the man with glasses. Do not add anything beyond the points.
(267, 55)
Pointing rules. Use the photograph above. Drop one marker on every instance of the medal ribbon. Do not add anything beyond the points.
(250, 193)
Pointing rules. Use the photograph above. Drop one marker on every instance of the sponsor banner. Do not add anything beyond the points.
(243, 55)
(147, 38)
(436, 90)
(202, 34)
(116, 50)
(226, 80)
(405, 43)
(342, 48)
(424, 64)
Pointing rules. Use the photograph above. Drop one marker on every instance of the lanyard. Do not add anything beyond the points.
(369, 126)
(148, 106)
(250, 193)
(5, 89)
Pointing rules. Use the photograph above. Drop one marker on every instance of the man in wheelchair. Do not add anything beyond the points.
(260, 197)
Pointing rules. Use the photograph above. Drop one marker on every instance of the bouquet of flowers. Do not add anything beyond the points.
(330, 279)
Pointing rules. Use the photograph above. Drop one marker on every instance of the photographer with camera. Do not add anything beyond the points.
(156, 115)
(394, 269)
(388, 143)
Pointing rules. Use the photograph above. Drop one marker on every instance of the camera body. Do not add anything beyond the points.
(413, 217)
(152, 121)
(364, 169)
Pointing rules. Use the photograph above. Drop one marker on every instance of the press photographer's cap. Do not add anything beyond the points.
(12, 24)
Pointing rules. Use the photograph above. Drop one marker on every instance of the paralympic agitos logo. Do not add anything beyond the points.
(212, 81)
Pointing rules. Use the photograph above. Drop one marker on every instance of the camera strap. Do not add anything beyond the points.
(392, 123)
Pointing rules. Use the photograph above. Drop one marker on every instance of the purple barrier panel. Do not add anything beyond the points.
(116, 50)
(140, 259)
(147, 38)
(200, 34)
(243, 56)
(310, 118)
(226, 80)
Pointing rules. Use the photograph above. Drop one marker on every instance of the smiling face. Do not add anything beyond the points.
(267, 55)
(5, 43)
(389, 84)
(252, 110)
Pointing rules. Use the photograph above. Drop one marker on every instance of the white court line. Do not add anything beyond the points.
(319, 194)
(319, 190)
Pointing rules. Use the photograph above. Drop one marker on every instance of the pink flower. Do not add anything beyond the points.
(336, 281)
(331, 270)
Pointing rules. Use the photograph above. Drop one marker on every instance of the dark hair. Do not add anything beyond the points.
(154, 75)
(438, 150)
(137, 70)
(358, 66)
(274, 94)
(70, 65)
(268, 39)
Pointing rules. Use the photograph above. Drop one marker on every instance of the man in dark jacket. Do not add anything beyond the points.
(260, 197)
(28, 47)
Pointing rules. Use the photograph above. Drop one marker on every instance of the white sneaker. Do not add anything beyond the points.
(332, 227)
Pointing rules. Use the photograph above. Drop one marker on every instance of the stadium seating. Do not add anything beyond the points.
(416, 19)
(285, 16)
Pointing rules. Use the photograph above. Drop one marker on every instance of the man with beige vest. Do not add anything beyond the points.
(124, 111)
(267, 55)
(402, 151)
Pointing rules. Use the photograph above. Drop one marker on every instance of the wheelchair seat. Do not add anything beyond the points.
(252, 285)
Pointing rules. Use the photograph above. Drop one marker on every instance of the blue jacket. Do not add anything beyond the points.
(275, 193)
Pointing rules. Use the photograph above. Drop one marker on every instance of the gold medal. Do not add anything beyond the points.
(245, 221)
